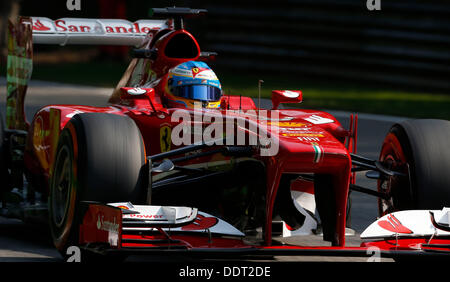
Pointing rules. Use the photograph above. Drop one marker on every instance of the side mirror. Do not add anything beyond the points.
(134, 92)
(285, 96)
(207, 56)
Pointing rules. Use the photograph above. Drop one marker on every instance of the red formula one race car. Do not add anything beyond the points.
(174, 165)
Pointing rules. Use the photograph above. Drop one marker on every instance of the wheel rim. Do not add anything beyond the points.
(386, 186)
(393, 157)
(62, 186)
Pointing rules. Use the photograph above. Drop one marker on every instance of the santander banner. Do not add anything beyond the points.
(42, 25)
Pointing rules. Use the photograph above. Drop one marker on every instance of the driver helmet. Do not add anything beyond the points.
(192, 84)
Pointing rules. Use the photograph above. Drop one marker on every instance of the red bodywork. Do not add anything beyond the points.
(297, 151)
(294, 156)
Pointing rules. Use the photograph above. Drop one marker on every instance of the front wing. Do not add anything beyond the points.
(122, 228)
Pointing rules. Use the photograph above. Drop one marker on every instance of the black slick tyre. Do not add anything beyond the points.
(100, 157)
(420, 150)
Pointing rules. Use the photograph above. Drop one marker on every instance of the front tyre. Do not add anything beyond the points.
(63, 196)
(420, 150)
(100, 157)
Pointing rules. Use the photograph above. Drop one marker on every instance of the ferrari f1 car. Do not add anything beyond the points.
(175, 165)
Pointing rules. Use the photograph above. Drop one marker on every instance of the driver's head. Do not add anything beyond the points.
(193, 82)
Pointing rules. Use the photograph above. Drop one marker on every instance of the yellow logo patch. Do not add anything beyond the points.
(165, 138)
(288, 124)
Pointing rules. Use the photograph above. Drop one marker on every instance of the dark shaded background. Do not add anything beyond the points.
(405, 44)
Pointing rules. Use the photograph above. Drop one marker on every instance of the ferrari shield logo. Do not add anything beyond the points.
(165, 138)
(195, 71)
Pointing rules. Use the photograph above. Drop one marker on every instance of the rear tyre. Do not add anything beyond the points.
(100, 157)
(419, 149)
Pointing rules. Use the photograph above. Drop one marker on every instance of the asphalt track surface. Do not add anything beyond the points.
(20, 242)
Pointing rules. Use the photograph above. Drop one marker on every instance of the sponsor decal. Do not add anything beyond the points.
(201, 222)
(39, 144)
(318, 152)
(147, 216)
(101, 224)
(95, 26)
(38, 26)
(124, 206)
(264, 117)
(165, 134)
(288, 124)
(394, 225)
(298, 130)
(106, 225)
(302, 134)
(315, 119)
(213, 105)
(195, 71)
(112, 227)
(204, 73)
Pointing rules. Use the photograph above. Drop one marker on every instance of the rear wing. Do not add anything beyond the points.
(93, 31)
(40, 30)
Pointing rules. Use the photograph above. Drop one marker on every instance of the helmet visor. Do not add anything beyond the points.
(198, 92)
